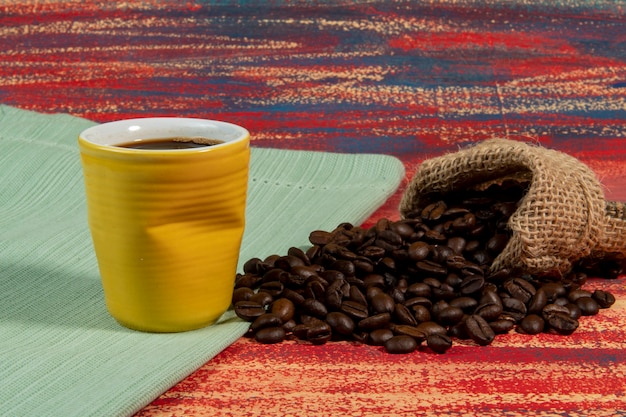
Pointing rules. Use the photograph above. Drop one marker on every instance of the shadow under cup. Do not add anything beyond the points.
(166, 224)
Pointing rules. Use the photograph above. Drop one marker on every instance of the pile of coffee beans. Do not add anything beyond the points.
(420, 280)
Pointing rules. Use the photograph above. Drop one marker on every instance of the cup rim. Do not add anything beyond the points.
(110, 134)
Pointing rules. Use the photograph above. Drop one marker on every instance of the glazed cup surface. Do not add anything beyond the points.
(166, 225)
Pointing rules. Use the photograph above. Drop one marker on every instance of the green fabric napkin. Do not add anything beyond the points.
(61, 354)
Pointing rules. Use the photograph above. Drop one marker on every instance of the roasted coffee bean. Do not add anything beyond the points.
(431, 268)
(450, 315)
(315, 289)
(320, 237)
(304, 271)
(355, 282)
(419, 301)
(455, 211)
(465, 223)
(561, 301)
(249, 310)
(553, 291)
(355, 310)
(457, 244)
(283, 308)
(414, 332)
(472, 284)
(520, 289)
(514, 308)
(379, 337)
(574, 310)
(502, 325)
(299, 253)
(576, 294)
(273, 288)
(499, 276)
(444, 292)
(252, 266)
(262, 297)
(603, 298)
(457, 263)
(453, 280)
(435, 237)
(505, 208)
(490, 296)
(441, 253)
(269, 335)
(439, 343)
(296, 298)
(287, 262)
(315, 308)
(401, 344)
(340, 323)
(489, 311)
(481, 257)
(421, 313)
(247, 280)
(418, 251)
(357, 296)
(313, 251)
(266, 320)
(419, 289)
(300, 331)
(344, 266)
(330, 275)
(479, 330)
(438, 307)
(578, 277)
(588, 306)
(531, 324)
(497, 243)
(403, 315)
(388, 240)
(374, 280)
(336, 292)
(467, 304)
(373, 252)
(472, 246)
(275, 274)
(554, 309)
(377, 321)
(371, 291)
(562, 323)
(430, 327)
(432, 282)
(382, 303)
(363, 265)
(434, 211)
(537, 302)
(458, 331)
(242, 294)
(402, 228)
(319, 332)
(289, 325)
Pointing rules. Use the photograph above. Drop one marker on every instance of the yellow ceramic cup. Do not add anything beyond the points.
(166, 225)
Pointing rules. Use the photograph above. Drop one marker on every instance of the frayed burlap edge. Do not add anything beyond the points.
(562, 218)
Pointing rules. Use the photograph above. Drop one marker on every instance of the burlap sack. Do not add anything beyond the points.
(562, 218)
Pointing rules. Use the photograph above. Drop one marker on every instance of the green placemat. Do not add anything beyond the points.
(61, 354)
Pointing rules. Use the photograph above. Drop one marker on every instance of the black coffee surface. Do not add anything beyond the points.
(171, 143)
